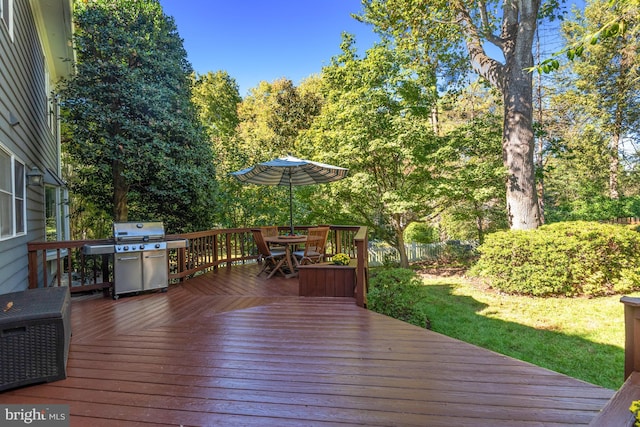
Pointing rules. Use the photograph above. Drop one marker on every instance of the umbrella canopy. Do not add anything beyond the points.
(290, 171)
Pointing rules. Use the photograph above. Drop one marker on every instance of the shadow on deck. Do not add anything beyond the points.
(227, 348)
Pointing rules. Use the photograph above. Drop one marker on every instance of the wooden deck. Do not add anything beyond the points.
(230, 349)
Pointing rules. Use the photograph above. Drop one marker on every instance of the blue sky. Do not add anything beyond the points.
(256, 40)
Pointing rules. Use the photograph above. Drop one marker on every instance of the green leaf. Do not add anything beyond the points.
(614, 29)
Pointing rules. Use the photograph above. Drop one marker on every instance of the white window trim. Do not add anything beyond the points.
(60, 209)
(14, 226)
(51, 107)
(6, 16)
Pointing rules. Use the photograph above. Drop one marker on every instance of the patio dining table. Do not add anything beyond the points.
(288, 242)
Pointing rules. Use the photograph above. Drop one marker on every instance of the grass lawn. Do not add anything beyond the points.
(579, 337)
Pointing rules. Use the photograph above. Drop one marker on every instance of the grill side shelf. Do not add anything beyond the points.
(98, 249)
(177, 243)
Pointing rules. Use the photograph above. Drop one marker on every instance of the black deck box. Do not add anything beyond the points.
(35, 333)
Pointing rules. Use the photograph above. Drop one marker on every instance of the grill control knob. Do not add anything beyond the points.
(157, 245)
(141, 247)
(126, 248)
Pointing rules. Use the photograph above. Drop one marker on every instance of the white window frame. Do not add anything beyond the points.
(58, 203)
(17, 192)
(50, 102)
(6, 16)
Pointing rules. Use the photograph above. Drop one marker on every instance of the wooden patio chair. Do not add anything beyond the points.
(314, 247)
(273, 260)
(269, 230)
(272, 231)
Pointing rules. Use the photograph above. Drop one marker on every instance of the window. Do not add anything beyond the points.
(50, 101)
(6, 15)
(12, 196)
(56, 213)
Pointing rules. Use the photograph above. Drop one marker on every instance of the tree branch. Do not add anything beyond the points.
(491, 38)
(483, 64)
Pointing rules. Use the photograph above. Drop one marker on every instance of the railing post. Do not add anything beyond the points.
(632, 335)
(215, 251)
(360, 240)
(33, 268)
(182, 262)
(45, 278)
(228, 245)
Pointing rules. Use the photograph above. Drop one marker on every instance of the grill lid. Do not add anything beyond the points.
(138, 231)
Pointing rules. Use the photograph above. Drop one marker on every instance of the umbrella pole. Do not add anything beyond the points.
(290, 205)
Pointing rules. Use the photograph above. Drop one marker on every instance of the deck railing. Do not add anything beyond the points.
(632, 335)
(616, 412)
(63, 263)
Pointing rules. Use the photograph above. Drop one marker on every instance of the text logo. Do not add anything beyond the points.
(34, 415)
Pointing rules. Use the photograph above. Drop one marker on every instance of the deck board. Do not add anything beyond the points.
(229, 348)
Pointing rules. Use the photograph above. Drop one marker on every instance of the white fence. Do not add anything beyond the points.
(379, 255)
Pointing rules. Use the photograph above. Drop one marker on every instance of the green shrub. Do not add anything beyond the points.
(420, 232)
(594, 208)
(458, 253)
(395, 292)
(568, 258)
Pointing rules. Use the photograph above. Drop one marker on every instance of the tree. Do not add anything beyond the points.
(376, 122)
(437, 31)
(218, 98)
(135, 138)
(470, 176)
(270, 119)
(622, 21)
(589, 172)
(607, 84)
(273, 115)
(217, 95)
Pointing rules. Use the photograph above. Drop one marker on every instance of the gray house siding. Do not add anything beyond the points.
(24, 123)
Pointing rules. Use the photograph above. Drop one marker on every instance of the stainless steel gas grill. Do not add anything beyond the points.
(140, 256)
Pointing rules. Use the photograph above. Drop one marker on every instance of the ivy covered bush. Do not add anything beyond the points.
(395, 292)
(578, 258)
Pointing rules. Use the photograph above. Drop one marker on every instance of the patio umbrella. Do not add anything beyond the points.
(290, 171)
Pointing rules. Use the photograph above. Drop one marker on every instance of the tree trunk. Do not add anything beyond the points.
(435, 119)
(518, 148)
(518, 142)
(479, 222)
(402, 250)
(120, 193)
(614, 159)
(540, 180)
(540, 139)
(515, 83)
(614, 164)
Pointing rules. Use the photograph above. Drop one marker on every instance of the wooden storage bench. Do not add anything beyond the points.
(327, 280)
(34, 336)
